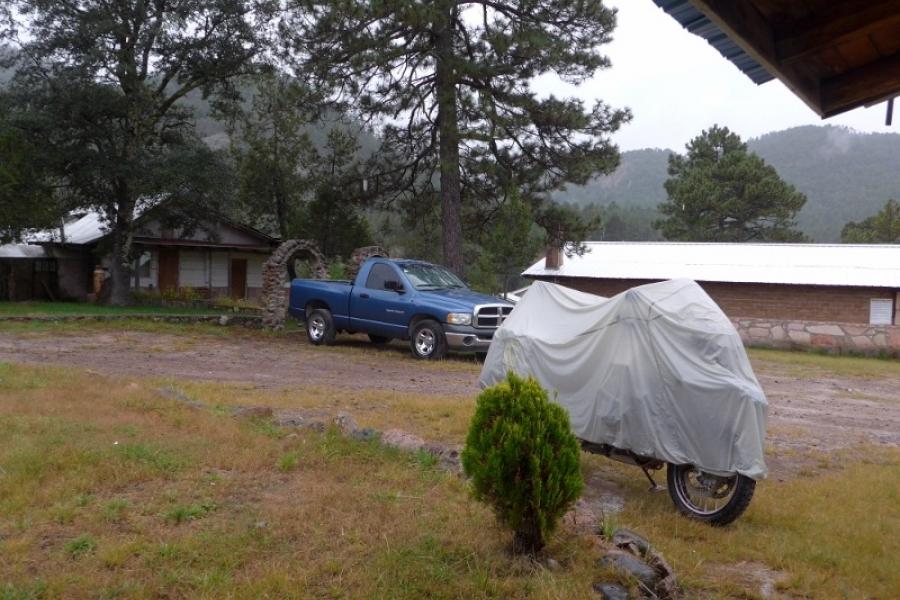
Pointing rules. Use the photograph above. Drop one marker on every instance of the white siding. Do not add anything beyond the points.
(192, 268)
(254, 270)
(219, 269)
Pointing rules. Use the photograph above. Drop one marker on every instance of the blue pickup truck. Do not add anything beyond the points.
(400, 299)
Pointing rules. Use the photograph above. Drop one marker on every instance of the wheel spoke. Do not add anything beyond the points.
(704, 493)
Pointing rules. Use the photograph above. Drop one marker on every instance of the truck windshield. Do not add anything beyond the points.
(431, 277)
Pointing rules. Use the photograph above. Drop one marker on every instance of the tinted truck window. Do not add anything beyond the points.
(378, 275)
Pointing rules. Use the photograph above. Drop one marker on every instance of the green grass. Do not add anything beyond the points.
(833, 535)
(118, 491)
(49, 309)
(800, 363)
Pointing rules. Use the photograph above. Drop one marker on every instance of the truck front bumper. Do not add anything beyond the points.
(465, 338)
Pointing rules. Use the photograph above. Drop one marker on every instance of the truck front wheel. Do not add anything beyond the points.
(427, 341)
(320, 327)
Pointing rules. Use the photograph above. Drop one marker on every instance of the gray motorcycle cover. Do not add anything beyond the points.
(658, 370)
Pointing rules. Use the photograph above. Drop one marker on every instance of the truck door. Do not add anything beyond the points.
(376, 309)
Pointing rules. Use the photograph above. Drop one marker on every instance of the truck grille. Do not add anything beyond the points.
(491, 315)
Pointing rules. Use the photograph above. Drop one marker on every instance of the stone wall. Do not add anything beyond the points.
(276, 274)
(850, 338)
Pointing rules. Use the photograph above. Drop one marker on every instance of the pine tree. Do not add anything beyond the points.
(720, 192)
(881, 228)
(453, 82)
(523, 459)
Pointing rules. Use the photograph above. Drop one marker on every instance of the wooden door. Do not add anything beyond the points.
(168, 269)
(238, 279)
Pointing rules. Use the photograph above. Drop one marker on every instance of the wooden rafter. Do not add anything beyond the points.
(871, 83)
(840, 23)
(840, 56)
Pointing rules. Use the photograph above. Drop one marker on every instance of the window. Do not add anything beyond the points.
(45, 265)
(431, 277)
(378, 275)
(881, 311)
(143, 265)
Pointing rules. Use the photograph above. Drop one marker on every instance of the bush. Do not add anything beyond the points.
(523, 460)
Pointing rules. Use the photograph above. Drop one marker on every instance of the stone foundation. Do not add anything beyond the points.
(839, 338)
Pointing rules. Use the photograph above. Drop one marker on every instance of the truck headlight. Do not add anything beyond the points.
(459, 318)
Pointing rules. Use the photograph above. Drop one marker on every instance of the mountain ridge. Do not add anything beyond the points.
(846, 175)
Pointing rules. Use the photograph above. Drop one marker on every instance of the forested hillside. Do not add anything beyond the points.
(846, 176)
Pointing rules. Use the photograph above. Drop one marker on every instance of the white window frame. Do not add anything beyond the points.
(881, 311)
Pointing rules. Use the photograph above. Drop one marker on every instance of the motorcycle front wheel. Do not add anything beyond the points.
(706, 497)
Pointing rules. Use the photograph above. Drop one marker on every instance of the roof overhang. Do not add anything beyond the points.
(202, 244)
(835, 56)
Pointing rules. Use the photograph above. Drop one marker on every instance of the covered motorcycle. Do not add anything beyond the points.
(657, 373)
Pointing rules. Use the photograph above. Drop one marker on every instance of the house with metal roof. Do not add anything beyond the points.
(793, 293)
(211, 259)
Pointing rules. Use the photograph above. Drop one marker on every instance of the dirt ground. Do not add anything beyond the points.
(812, 411)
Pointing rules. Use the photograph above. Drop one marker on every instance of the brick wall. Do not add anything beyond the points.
(765, 301)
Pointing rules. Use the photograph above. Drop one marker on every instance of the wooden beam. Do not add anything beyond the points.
(840, 23)
(868, 84)
(748, 28)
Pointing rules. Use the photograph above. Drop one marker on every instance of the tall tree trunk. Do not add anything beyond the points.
(448, 152)
(280, 210)
(120, 263)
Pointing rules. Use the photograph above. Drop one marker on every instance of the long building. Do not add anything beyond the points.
(832, 295)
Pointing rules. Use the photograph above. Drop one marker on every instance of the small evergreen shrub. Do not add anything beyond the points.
(523, 459)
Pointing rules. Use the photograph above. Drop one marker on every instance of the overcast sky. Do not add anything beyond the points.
(676, 85)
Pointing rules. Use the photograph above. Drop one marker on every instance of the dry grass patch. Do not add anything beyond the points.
(440, 418)
(108, 489)
(39, 329)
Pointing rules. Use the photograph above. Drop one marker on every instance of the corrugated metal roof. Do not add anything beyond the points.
(697, 23)
(801, 264)
(89, 228)
(22, 251)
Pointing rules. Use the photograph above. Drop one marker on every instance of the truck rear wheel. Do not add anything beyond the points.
(320, 327)
(427, 341)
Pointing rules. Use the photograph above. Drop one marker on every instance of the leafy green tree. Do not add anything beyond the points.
(99, 85)
(270, 145)
(333, 223)
(452, 81)
(523, 459)
(332, 217)
(565, 227)
(509, 246)
(27, 199)
(881, 228)
(719, 191)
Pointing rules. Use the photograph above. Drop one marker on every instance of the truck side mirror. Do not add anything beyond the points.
(394, 286)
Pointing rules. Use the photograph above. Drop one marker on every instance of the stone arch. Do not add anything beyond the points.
(361, 255)
(279, 270)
